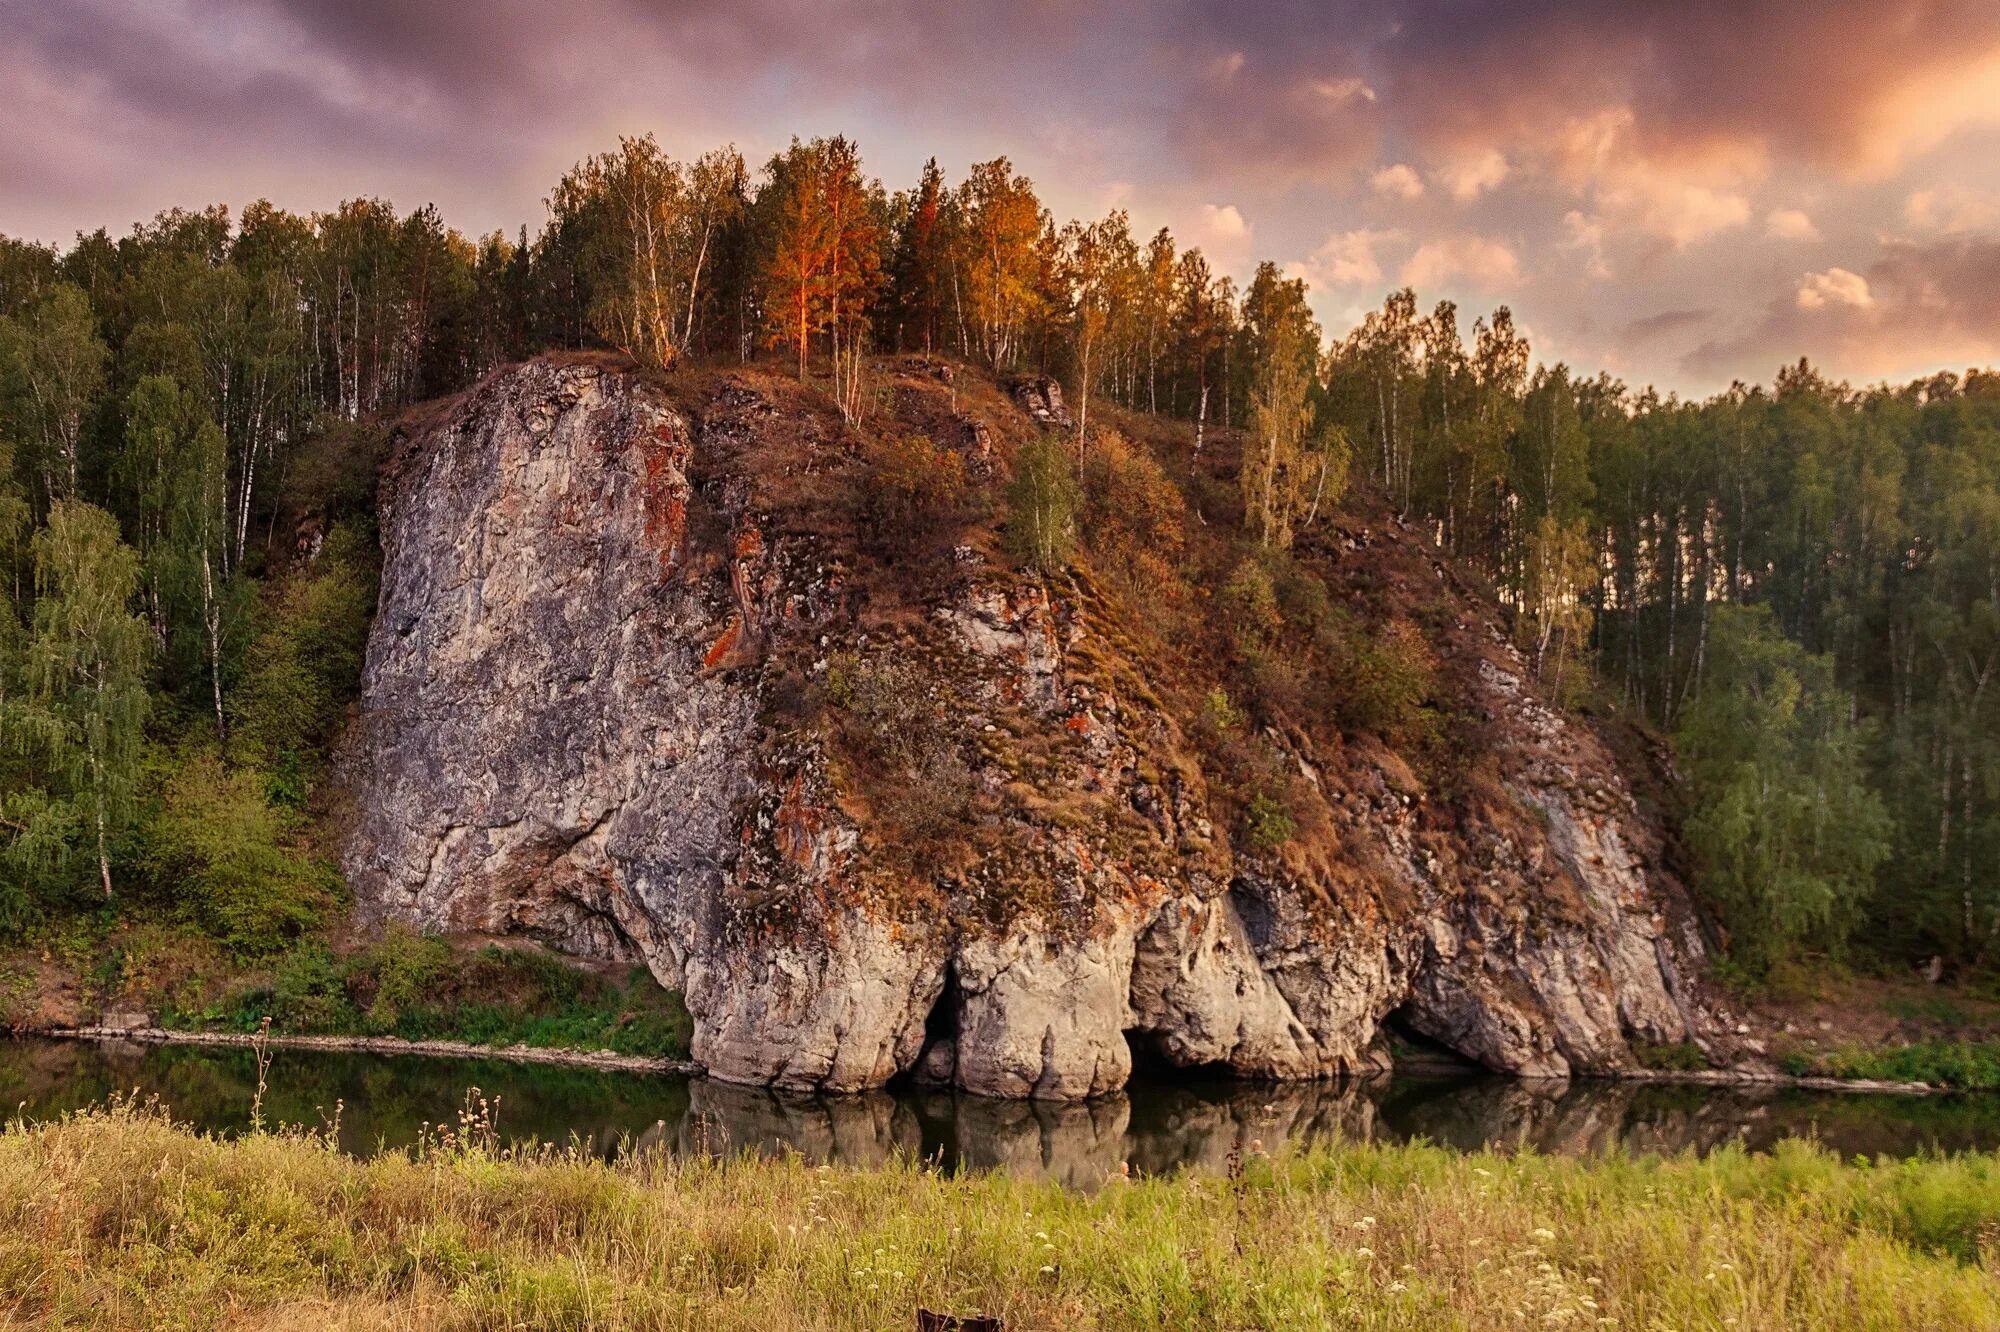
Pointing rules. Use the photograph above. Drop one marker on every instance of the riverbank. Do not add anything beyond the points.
(385, 1045)
(611, 1059)
(120, 1218)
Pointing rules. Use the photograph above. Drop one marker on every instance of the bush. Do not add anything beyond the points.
(1248, 605)
(1042, 503)
(308, 993)
(304, 663)
(1136, 519)
(230, 855)
(407, 972)
(912, 488)
(1218, 713)
(419, 987)
(1302, 597)
(1672, 1056)
(1381, 683)
(1960, 1065)
(1266, 824)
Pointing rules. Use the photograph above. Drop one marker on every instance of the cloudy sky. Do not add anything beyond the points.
(1683, 193)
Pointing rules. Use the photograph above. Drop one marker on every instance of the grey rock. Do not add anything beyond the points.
(566, 734)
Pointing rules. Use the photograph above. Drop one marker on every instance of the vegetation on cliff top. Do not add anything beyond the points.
(191, 412)
(118, 1218)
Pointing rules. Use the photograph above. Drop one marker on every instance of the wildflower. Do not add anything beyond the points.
(1542, 1233)
(1365, 1223)
(1364, 1252)
(1047, 1270)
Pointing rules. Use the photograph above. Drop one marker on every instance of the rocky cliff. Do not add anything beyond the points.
(647, 680)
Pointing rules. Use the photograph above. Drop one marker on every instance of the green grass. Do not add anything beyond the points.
(1962, 1065)
(419, 988)
(1672, 1057)
(1934, 1009)
(118, 1218)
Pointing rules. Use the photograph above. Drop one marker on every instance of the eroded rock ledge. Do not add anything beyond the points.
(568, 731)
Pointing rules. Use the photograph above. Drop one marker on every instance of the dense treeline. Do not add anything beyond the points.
(1803, 582)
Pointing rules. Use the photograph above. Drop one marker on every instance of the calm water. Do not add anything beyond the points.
(386, 1100)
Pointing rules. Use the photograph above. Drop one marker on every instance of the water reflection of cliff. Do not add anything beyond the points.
(1159, 1130)
(1154, 1129)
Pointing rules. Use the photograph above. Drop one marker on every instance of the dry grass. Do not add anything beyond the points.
(119, 1218)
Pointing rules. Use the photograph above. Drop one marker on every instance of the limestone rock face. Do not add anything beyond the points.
(579, 723)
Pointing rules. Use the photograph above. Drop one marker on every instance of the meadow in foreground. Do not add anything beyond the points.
(120, 1218)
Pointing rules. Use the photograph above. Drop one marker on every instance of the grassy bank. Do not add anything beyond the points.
(398, 984)
(119, 1219)
(1959, 1065)
(422, 989)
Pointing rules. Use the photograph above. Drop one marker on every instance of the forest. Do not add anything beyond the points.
(1797, 584)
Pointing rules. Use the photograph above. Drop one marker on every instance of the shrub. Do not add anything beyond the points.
(1218, 713)
(912, 488)
(308, 992)
(1266, 824)
(231, 855)
(1248, 605)
(1672, 1056)
(1129, 491)
(894, 724)
(1380, 683)
(304, 663)
(1961, 1065)
(407, 970)
(1302, 597)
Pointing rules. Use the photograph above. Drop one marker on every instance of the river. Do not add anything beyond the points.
(386, 1100)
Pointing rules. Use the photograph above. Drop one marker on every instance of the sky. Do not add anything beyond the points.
(1680, 193)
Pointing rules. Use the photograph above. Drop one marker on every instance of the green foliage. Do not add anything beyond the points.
(1042, 503)
(407, 969)
(1248, 604)
(52, 370)
(307, 994)
(81, 717)
(303, 666)
(418, 987)
(1266, 824)
(1788, 832)
(1219, 713)
(231, 855)
(1381, 682)
(1960, 1065)
(1673, 1057)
